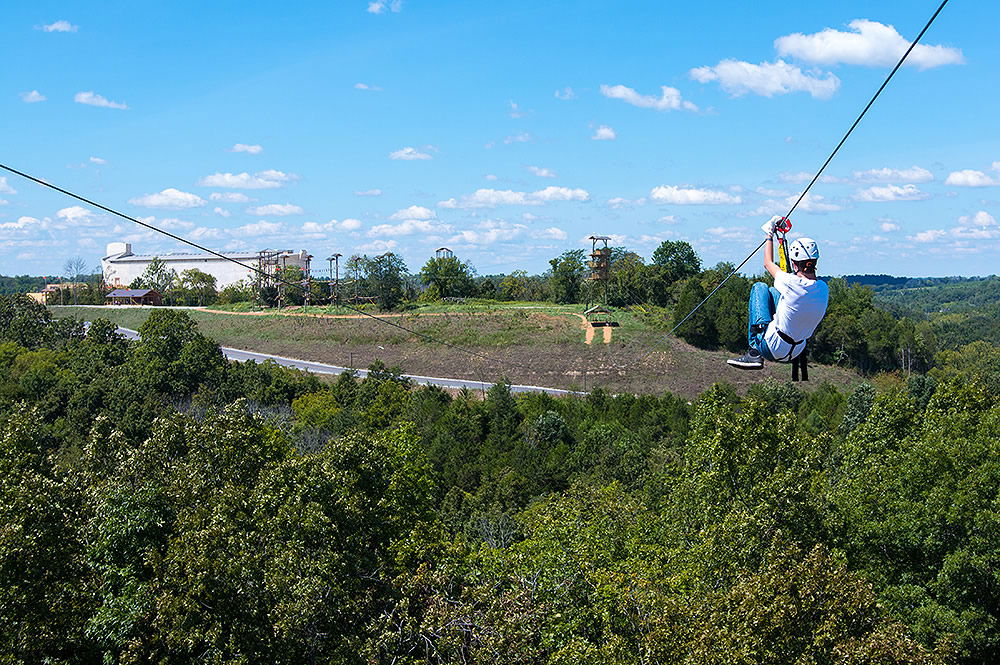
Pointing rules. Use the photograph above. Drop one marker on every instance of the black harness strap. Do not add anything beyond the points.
(800, 363)
(800, 366)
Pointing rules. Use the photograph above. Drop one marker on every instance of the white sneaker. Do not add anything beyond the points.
(749, 360)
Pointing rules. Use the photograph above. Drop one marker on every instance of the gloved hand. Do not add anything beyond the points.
(770, 225)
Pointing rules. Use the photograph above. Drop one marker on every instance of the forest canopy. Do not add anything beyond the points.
(160, 504)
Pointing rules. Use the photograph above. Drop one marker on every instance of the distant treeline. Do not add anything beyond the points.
(24, 284)
(880, 283)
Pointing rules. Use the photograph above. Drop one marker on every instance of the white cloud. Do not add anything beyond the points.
(489, 232)
(620, 202)
(409, 153)
(169, 198)
(276, 210)
(487, 198)
(515, 111)
(728, 232)
(221, 212)
(413, 212)
(669, 99)
(523, 137)
(771, 192)
(367, 86)
(250, 149)
(809, 203)
(542, 172)
(981, 218)
(60, 26)
(931, 235)
(551, 233)
(565, 93)
(91, 98)
(206, 233)
(813, 203)
(489, 176)
(912, 174)
(98, 160)
(892, 193)
(604, 133)
(800, 176)
(888, 227)
(320, 230)
(168, 223)
(561, 194)
(75, 215)
(269, 179)
(5, 188)
(32, 97)
(23, 223)
(766, 79)
(491, 198)
(379, 6)
(691, 196)
(970, 178)
(871, 43)
(369, 192)
(261, 228)
(407, 227)
(229, 197)
(379, 246)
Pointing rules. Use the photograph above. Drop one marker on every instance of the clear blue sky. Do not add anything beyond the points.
(507, 131)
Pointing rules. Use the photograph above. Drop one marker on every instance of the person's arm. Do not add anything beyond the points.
(769, 265)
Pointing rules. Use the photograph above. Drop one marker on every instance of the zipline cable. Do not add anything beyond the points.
(251, 268)
(822, 168)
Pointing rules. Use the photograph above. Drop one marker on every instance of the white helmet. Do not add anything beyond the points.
(803, 249)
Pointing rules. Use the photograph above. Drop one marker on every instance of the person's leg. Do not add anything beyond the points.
(761, 311)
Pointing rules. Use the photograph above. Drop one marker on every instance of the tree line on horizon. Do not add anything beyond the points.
(898, 329)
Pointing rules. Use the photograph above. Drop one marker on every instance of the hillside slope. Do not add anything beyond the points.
(523, 346)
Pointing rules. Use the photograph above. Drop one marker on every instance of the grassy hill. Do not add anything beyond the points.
(529, 344)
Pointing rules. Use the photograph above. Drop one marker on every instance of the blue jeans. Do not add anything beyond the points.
(763, 303)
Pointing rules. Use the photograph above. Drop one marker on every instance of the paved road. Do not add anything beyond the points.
(240, 355)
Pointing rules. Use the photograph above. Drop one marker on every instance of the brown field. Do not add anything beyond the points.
(524, 346)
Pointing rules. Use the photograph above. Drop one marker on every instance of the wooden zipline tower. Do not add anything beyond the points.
(598, 312)
(269, 262)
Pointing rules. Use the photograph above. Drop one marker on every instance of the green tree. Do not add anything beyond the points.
(195, 287)
(514, 286)
(699, 329)
(449, 276)
(44, 583)
(157, 276)
(566, 276)
(24, 321)
(385, 278)
(672, 261)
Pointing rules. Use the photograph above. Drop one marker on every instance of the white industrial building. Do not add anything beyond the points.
(121, 266)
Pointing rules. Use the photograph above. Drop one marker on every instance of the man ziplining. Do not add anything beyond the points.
(784, 316)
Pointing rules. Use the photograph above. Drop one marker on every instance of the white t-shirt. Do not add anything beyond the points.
(801, 307)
